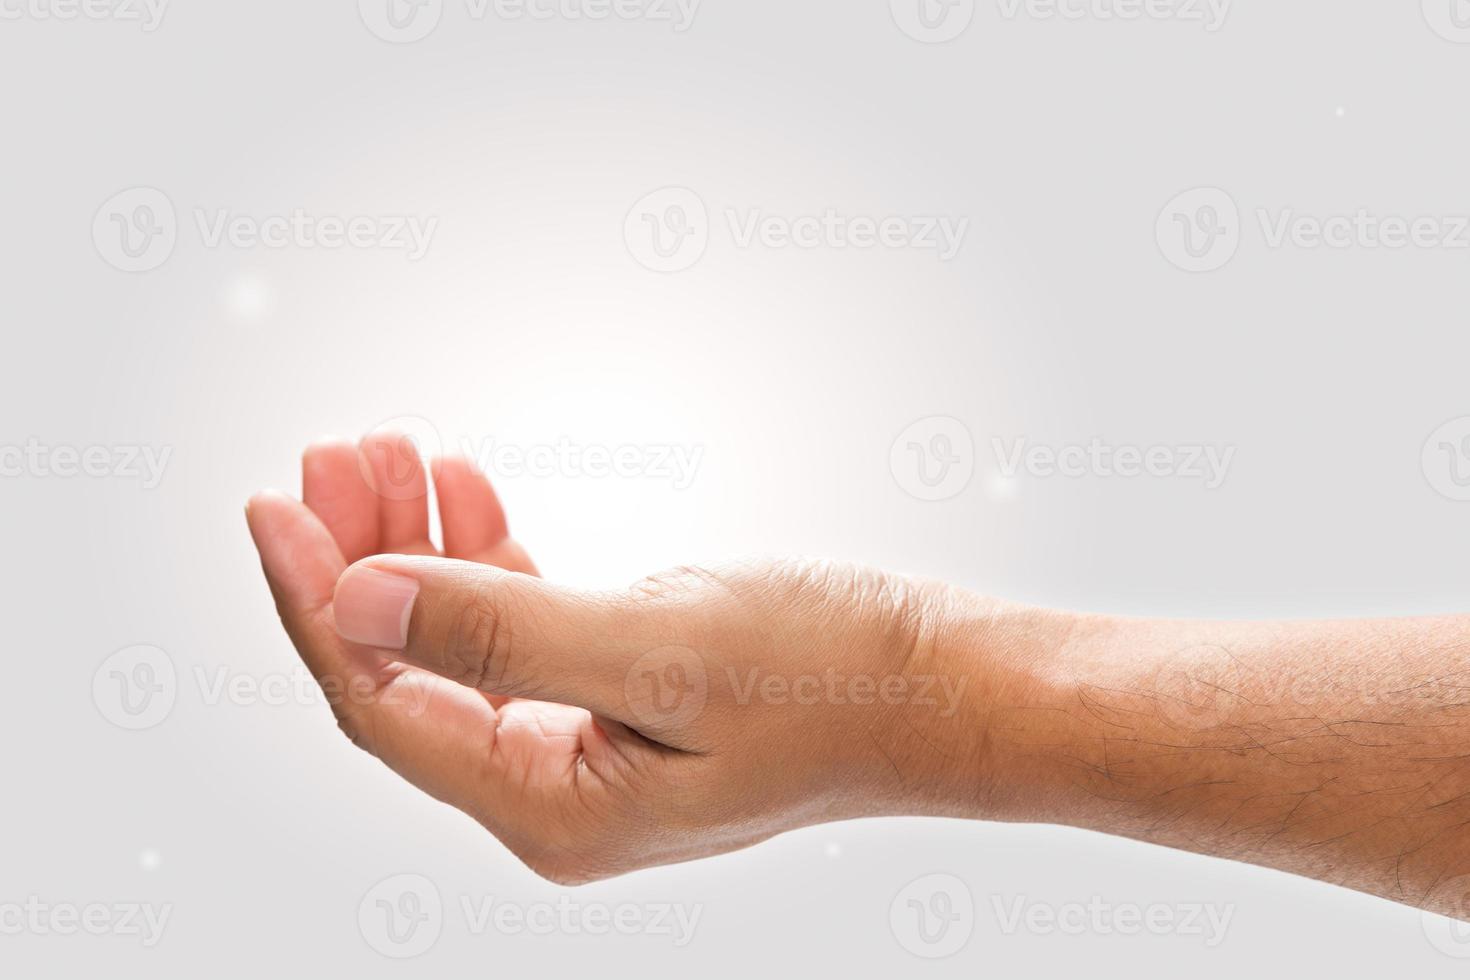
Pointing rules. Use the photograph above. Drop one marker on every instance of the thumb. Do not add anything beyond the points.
(498, 631)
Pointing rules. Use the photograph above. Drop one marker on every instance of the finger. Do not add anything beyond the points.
(473, 519)
(402, 487)
(302, 563)
(497, 631)
(337, 491)
(432, 732)
(474, 523)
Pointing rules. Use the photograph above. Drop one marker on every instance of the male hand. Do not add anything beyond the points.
(698, 711)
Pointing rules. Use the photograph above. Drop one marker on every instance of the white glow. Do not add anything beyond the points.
(250, 299)
(1003, 487)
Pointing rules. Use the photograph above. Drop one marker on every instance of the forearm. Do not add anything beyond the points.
(1340, 750)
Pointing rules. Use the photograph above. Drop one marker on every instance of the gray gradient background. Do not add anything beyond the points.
(529, 320)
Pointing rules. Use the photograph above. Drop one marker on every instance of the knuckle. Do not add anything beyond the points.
(674, 584)
(479, 649)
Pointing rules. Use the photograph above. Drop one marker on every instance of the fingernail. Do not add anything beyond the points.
(373, 607)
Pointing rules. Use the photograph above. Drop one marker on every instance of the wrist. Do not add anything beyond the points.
(1003, 658)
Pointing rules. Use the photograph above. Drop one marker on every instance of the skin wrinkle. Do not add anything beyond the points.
(481, 629)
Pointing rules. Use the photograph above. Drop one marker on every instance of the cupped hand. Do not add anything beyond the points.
(698, 711)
